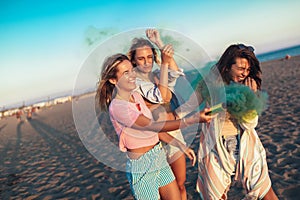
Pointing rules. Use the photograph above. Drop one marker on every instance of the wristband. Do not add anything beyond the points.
(184, 121)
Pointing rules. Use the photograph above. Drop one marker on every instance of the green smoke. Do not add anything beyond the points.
(243, 103)
(95, 35)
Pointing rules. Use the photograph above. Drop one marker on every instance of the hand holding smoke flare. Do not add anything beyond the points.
(216, 108)
(242, 103)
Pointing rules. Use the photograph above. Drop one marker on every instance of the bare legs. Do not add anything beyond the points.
(179, 170)
(170, 191)
(270, 195)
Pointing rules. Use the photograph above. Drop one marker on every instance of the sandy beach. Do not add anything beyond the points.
(43, 158)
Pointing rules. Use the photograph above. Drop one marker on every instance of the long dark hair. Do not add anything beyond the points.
(138, 43)
(229, 58)
(105, 89)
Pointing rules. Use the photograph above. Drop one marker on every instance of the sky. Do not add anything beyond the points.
(43, 44)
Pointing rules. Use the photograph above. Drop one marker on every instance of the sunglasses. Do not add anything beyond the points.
(242, 46)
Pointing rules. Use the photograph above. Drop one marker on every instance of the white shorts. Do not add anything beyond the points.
(170, 149)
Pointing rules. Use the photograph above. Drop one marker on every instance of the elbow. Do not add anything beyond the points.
(167, 97)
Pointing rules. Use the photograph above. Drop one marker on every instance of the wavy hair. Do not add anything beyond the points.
(105, 89)
(229, 58)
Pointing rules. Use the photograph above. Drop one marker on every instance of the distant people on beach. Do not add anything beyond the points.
(148, 171)
(237, 153)
(287, 57)
(19, 114)
(157, 89)
(29, 113)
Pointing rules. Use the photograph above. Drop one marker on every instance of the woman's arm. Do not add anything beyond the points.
(165, 84)
(154, 36)
(144, 123)
(190, 105)
(167, 138)
(166, 54)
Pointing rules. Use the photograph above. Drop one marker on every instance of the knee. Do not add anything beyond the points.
(180, 179)
(180, 184)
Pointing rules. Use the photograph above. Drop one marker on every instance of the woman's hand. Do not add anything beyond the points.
(251, 83)
(201, 117)
(167, 53)
(169, 139)
(191, 155)
(153, 36)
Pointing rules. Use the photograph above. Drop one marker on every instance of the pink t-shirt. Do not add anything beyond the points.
(123, 114)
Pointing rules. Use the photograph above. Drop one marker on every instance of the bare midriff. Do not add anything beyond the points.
(230, 126)
(138, 152)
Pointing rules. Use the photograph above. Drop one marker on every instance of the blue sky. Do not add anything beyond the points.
(43, 43)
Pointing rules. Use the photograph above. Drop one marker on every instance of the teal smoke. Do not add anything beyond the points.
(240, 99)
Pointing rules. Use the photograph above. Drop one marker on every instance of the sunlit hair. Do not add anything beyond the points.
(105, 89)
(138, 43)
(229, 58)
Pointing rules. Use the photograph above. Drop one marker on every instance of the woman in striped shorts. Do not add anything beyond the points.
(148, 171)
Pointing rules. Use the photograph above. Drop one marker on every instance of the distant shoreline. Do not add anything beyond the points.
(265, 57)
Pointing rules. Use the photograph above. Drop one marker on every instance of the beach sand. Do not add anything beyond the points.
(43, 158)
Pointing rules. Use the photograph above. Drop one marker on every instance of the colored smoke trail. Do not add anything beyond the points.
(243, 103)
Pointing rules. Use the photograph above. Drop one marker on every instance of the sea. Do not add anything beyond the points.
(279, 54)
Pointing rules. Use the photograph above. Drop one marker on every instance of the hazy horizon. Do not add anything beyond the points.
(70, 92)
(44, 44)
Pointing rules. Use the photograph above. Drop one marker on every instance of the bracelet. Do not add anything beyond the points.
(184, 121)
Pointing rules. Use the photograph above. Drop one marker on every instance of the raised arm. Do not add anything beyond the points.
(154, 36)
(167, 55)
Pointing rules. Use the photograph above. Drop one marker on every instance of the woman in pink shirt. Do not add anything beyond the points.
(148, 171)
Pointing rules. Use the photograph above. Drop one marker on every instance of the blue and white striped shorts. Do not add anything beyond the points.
(148, 173)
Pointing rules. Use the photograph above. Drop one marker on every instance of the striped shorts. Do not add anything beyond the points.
(148, 173)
